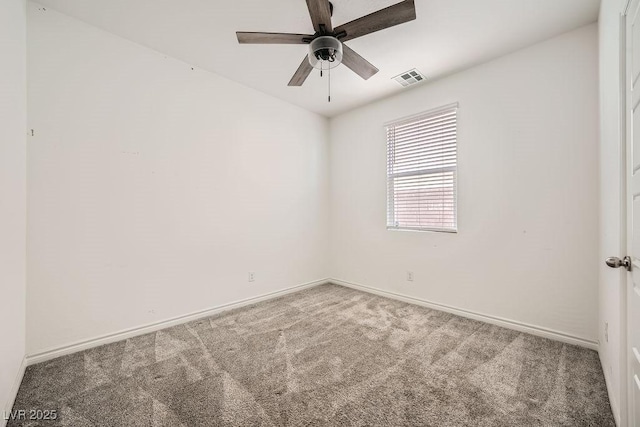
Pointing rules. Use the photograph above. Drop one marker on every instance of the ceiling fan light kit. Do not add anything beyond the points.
(326, 46)
(325, 52)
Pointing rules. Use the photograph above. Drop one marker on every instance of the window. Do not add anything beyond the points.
(421, 171)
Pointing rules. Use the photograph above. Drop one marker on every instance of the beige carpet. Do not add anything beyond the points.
(327, 356)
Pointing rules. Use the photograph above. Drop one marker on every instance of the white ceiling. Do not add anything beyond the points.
(448, 35)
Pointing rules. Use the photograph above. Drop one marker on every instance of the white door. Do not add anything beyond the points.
(632, 119)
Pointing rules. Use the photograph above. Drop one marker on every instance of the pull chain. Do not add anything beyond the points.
(329, 97)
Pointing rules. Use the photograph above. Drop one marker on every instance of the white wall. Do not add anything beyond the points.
(13, 131)
(612, 241)
(527, 244)
(154, 188)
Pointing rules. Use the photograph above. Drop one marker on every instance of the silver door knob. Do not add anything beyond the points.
(615, 262)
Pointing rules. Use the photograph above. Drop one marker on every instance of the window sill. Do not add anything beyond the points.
(423, 230)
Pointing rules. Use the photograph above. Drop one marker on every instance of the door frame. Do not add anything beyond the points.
(626, 220)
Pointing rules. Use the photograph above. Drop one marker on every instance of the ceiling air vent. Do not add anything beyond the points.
(409, 78)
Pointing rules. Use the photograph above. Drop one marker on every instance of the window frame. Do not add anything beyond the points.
(390, 209)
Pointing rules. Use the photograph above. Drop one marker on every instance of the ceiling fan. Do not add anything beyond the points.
(326, 46)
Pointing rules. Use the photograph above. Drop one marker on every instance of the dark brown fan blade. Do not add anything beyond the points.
(357, 63)
(301, 73)
(393, 15)
(320, 15)
(273, 38)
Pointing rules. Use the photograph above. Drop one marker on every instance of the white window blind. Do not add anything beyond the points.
(421, 171)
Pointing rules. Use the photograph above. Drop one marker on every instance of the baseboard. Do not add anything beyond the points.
(505, 323)
(615, 409)
(53, 353)
(152, 327)
(14, 392)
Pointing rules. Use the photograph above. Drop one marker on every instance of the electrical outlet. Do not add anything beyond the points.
(409, 276)
(606, 331)
(252, 276)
